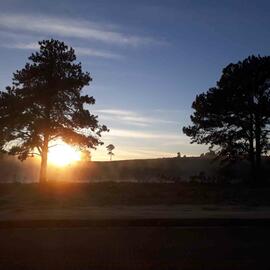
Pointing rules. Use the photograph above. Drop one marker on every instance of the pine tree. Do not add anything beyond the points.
(45, 103)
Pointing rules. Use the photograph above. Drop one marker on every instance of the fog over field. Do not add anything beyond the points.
(185, 169)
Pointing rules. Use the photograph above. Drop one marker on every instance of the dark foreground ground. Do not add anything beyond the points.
(64, 194)
(119, 248)
(199, 226)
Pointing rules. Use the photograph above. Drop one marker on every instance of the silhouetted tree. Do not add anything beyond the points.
(86, 155)
(210, 154)
(45, 103)
(234, 116)
(178, 155)
(110, 148)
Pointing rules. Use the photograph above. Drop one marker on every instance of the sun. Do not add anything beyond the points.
(63, 154)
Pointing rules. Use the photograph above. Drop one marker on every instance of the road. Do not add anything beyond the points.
(165, 248)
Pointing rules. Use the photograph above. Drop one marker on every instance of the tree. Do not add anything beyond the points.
(86, 155)
(45, 103)
(233, 117)
(178, 155)
(210, 154)
(110, 148)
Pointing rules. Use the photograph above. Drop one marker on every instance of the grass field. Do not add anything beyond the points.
(60, 200)
(107, 194)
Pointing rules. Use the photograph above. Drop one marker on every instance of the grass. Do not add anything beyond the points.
(61, 194)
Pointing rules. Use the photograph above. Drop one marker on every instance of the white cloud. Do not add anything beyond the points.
(23, 46)
(97, 53)
(132, 117)
(116, 112)
(67, 27)
(78, 50)
(143, 134)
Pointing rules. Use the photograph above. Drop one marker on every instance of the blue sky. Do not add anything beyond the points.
(148, 59)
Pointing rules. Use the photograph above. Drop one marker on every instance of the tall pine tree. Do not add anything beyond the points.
(234, 116)
(45, 103)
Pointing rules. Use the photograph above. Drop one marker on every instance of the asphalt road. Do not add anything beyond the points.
(118, 248)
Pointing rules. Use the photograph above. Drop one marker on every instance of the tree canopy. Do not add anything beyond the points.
(233, 117)
(45, 103)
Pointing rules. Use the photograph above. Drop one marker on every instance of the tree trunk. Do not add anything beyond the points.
(258, 144)
(251, 148)
(258, 155)
(44, 158)
(252, 158)
(258, 135)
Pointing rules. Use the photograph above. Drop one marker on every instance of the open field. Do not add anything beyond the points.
(132, 201)
(186, 169)
(63, 194)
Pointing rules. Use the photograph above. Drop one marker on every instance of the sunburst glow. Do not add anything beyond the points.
(63, 154)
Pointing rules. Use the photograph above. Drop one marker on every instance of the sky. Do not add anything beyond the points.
(148, 59)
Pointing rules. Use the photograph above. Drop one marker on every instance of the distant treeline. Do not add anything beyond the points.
(187, 169)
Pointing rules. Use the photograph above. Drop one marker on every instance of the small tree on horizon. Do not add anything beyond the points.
(110, 148)
(45, 103)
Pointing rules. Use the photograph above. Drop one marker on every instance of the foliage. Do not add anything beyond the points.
(45, 103)
(233, 117)
(86, 155)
